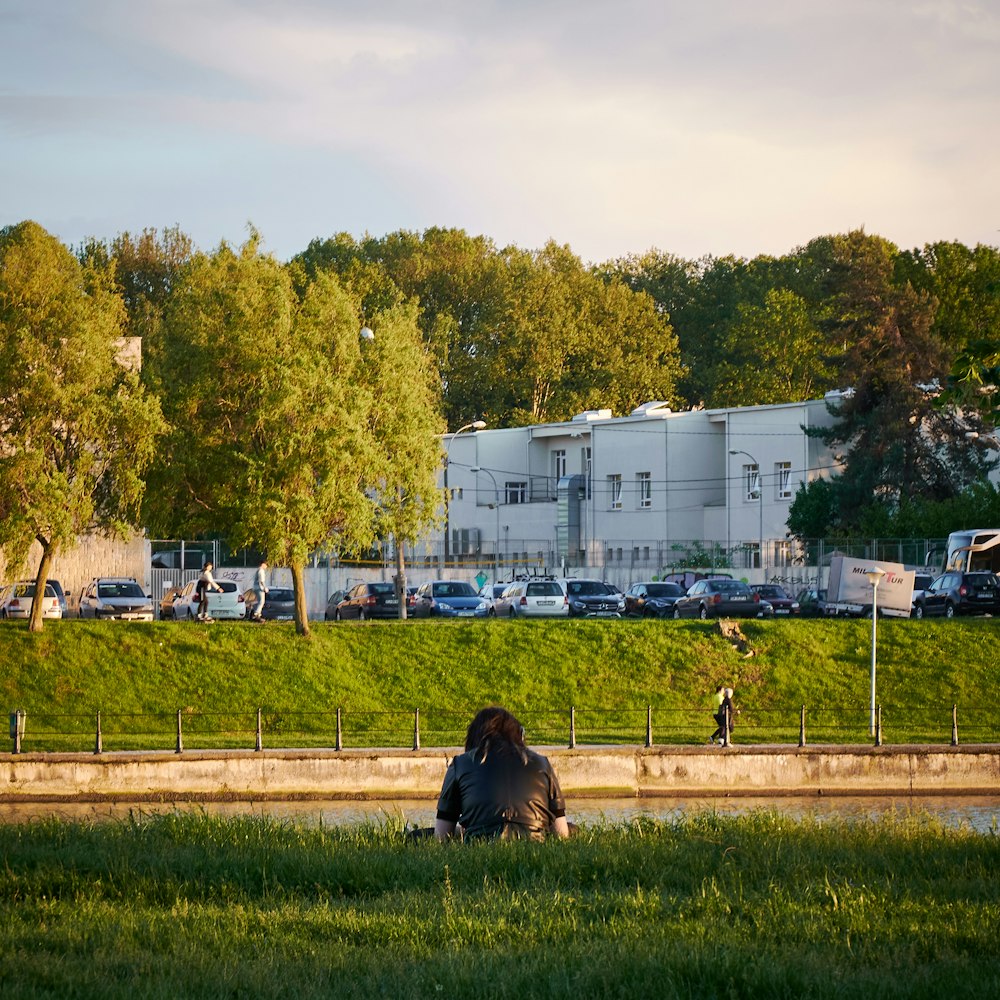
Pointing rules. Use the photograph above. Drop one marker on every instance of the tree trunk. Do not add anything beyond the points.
(299, 586)
(37, 604)
(400, 580)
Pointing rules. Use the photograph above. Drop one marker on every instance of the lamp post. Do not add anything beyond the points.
(760, 502)
(496, 494)
(874, 575)
(476, 425)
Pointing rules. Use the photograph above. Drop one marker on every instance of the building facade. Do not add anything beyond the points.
(657, 489)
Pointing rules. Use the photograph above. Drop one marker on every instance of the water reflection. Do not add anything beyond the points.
(980, 813)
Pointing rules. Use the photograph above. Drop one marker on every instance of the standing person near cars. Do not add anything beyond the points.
(206, 582)
(498, 788)
(262, 590)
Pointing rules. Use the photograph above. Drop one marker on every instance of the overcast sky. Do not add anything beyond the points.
(697, 127)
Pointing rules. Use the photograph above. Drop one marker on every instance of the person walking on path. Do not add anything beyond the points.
(262, 590)
(720, 719)
(206, 582)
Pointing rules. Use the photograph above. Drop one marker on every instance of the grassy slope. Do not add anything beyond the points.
(79, 667)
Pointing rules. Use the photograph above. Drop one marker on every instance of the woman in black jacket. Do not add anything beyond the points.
(499, 788)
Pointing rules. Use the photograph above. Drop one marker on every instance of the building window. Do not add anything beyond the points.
(644, 489)
(783, 480)
(586, 467)
(615, 491)
(559, 463)
(516, 492)
(751, 483)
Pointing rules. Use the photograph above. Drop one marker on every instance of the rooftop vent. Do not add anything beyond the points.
(651, 409)
(589, 415)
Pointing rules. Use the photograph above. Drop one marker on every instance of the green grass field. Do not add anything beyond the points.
(140, 675)
(704, 906)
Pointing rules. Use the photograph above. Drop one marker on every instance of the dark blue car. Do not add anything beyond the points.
(448, 599)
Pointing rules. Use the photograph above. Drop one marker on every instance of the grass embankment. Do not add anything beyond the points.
(139, 675)
(705, 906)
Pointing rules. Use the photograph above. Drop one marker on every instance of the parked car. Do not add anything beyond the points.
(448, 599)
(183, 605)
(279, 604)
(16, 600)
(368, 600)
(652, 600)
(813, 603)
(963, 594)
(593, 599)
(918, 608)
(116, 598)
(777, 597)
(719, 599)
(331, 605)
(60, 593)
(491, 592)
(532, 599)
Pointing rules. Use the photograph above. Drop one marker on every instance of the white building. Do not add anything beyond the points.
(655, 490)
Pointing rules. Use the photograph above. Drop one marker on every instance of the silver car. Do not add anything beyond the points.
(532, 599)
(112, 597)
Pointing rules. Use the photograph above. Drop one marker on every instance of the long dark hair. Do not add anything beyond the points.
(494, 728)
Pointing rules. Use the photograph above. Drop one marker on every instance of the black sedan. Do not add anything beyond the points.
(279, 604)
(652, 600)
(719, 599)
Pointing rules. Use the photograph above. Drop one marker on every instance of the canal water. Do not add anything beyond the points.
(979, 813)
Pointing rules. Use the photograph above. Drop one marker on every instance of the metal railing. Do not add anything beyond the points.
(421, 728)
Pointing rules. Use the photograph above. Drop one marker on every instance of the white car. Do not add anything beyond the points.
(532, 599)
(16, 600)
(229, 604)
(116, 598)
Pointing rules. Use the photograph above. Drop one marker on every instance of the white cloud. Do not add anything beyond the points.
(719, 126)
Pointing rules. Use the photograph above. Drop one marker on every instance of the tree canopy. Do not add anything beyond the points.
(78, 428)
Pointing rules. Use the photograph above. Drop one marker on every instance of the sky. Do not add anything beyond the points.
(703, 127)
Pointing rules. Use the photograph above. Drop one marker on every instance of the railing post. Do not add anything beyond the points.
(954, 725)
(416, 729)
(802, 726)
(260, 735)
(340, 742)
(180, 735)
(649, 725)
(725, 726)
(572, 726)
(878, 726)
(98, 740)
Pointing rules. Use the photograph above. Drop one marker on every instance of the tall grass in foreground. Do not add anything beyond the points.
(703, 906)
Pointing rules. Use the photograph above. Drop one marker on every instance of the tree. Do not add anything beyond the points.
(897, 445)
(281, 438)
(404, 420)
(78, 429)
(774, 353)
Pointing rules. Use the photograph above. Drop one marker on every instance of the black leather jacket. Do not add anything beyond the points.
(502, 795)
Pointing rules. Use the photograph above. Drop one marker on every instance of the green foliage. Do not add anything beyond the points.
(78, 428)
(518, 337)
(703, 905)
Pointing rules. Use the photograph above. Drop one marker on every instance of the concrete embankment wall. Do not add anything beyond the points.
(604, 771)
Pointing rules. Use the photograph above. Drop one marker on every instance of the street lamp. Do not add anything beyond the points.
(760, 501)
(874, 575)
(496, 494)
(476, 425)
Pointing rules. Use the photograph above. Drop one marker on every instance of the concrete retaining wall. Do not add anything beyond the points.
(624, 771)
